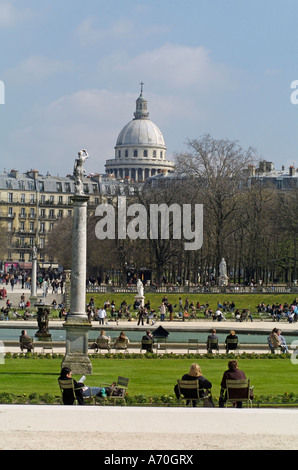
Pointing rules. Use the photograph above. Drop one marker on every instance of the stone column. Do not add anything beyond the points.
(33, 295)
(78, 259)
(77, 325)
(67, 288)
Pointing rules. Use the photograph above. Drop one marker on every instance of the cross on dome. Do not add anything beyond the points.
(141, 106)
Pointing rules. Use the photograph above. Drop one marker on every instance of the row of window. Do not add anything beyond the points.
(40, 186)
(22, 243)
(21, 184)
(32, 214)
(43, 199)
(22, 254)
(145, 153)
(22, 227)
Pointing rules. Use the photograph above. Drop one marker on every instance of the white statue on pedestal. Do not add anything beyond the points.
(140, 288)
(223, 278)
(79, 171)
(222, 267)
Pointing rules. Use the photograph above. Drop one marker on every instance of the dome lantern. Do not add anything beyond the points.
(141, 106)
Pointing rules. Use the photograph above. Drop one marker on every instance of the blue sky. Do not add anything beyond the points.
(72, 69)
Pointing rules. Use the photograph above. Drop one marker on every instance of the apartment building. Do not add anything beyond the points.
(31, 203)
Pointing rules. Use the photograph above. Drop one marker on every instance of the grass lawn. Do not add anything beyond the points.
(241, 301)
(148, 376)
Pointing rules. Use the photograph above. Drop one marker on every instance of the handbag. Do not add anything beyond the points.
(207, 400)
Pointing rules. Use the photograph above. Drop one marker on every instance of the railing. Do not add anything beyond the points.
(195, 289)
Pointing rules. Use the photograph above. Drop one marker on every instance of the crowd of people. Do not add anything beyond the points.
(185, 310)
(280, 311)
(53, 281)
(24, 304)
(109, 311)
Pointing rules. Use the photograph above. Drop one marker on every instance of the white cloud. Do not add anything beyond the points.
(176, 79)
(35, 68)
(91, 119)
(10, 15)
(88, 119)
(90, 33)
(178, 66)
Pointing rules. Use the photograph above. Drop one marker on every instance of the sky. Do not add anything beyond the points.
(71, 73)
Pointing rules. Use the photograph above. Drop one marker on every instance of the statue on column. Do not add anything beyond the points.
(33, 296)
(79, 171)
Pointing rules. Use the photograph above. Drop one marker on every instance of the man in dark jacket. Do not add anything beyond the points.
(26, 341)
(148, 337)
(212, 341)
(233, 373)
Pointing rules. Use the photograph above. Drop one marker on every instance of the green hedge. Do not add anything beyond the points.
(149, 356)
(287, 399)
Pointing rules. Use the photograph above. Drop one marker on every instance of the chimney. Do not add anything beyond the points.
(33, 174)
(292, 170)
(262, 166)
(251, 170)
(14, 173)
(269, 167)
(97, 177)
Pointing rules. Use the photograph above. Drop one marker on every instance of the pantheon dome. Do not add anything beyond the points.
(140, 150)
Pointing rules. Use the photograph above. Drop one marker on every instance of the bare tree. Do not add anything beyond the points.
(5, 240)
(59, 242)
(165, 250)
(252, 248)
(219, 170)
(287, 223)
